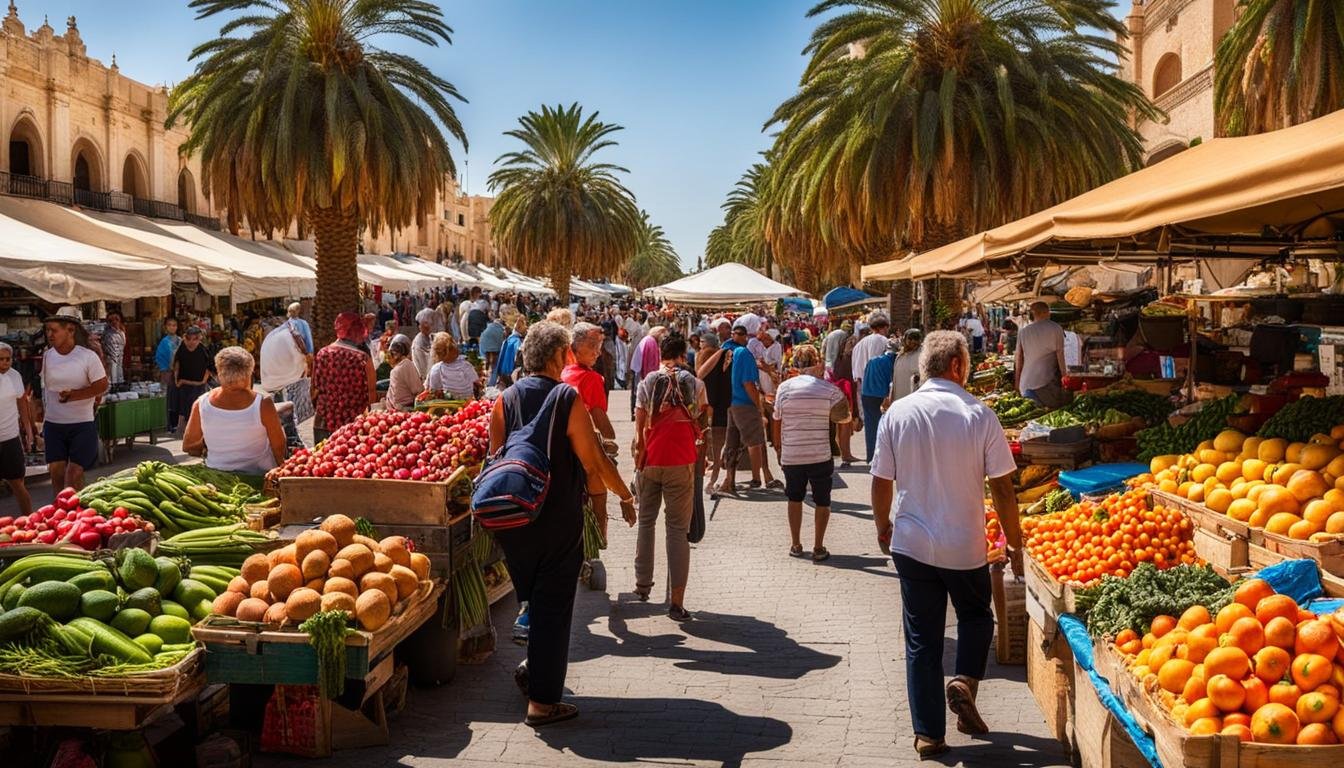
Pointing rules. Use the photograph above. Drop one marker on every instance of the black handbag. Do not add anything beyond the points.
(696, 532)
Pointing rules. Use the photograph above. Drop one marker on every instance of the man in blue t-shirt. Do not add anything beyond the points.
(874, 388)
(746, 426)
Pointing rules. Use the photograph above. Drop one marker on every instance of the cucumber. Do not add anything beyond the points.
(150, 642)
(98, 604)
(131, 621)
(57, 599)
(171, 608)
(112, 641)
(12, 596)
(171, 629)
(99, 579)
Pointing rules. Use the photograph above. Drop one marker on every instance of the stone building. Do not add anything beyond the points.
(459, 229)
(1171, 44)
(79, 131)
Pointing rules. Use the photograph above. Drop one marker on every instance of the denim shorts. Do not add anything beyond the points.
(77, 443)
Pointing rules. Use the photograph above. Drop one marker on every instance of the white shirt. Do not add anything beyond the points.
(938, 445)
(454, 379)
(903, 371)
(1039, 342)
(803, 409)
(872, 345)
(422, 349)
(973, 325)
(237, 440)
(11, 390)
(835, 341)
(1073, 350)
(772, 356)
(282, 358)
(76, 370)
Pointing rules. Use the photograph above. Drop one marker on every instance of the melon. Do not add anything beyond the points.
(340, 527)
(252, 609)
(372, 608)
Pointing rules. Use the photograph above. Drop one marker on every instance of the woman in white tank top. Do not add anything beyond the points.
(236, 428)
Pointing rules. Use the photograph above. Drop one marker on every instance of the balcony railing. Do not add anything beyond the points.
(63, 192)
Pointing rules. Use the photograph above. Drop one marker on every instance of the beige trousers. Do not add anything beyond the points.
(675, 486)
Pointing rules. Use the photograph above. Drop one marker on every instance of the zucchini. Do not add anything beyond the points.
(112, 642)
(11, 600)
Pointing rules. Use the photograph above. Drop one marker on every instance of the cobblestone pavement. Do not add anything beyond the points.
(787, 663)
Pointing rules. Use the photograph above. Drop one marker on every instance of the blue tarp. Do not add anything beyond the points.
(842, 295)
(797, 303)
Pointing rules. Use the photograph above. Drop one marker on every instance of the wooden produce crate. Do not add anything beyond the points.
(1330, 554)
(110, 703)
(1221, 541)
(238, 653)
(1050, 677)
(1046, 598)
(1010, 617)
(392, 502)
(1100, 741)
(446, 546)
(1067, 455)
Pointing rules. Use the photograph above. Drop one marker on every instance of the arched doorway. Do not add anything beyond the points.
(25, 148)
(186, 191)
(134, 179)
(86, 168)
(1167, 74)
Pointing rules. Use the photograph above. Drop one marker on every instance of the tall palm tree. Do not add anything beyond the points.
(920, 121)
(1280, 64)
(741, 237)
(655, 261)
(558, 211)
(298, 115)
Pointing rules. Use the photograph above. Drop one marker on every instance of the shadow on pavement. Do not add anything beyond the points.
(847, 508)
(626, 730)
(1007, 750)
(877, 566)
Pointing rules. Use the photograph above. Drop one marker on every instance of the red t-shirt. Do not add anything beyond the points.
(592, 388)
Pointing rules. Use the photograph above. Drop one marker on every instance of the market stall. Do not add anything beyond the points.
(723, 286)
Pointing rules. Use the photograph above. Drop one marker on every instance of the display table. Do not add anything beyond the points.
(124, 419)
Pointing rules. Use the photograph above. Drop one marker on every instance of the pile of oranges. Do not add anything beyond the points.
(1291, 489)
(1091, 539)
(994, 538)
(1262, 669)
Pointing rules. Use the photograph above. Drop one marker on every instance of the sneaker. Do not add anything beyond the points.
(521, 626)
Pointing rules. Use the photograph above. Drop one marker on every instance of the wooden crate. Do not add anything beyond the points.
(406, 502)
(1100, 741)
(1067, 455)
(259, 656)
(1046, 598)
(1010, 618)
(1050, 678)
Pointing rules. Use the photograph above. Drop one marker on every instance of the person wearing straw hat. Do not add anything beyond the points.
(73, 378)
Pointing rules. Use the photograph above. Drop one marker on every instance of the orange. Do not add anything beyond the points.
(1199, 643)
(1337, 724)
(1281, 522)
(1280, 632)
(1225, 693)
(1174, 674)
(1318, 455)
(1241, 509)
(1195, 689)
(1257, 695)
(1162, 625)
(1285, 692)
(1230, 661)
(1236, 718)
(1310, 670)
(1246, 633)
(1160, 655)
(1251, 591)
(1276, 605)
(1317, 512)
(1271, 664)
(1283, 472)
(1206, 726)
(1193, 617)
(1316, 636)
(1316, 733)
(1316, 707)
(1239, 730)
(1276, 499)
(1275, 724)
(1272, 450)
(1253, 469)
(1306, 485)
(1302, 530)
(1333, 524)
(1200, 709)
(1230, 613)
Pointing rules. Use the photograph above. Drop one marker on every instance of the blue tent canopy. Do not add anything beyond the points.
(844, 295)
(797, 303)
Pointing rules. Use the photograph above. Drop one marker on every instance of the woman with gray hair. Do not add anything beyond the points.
(404, 383)
(544, 557)
(235, 428)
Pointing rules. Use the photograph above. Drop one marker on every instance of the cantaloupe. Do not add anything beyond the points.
(406, 581)
(341, 569)
(226, 604)
(240, 585)
(261, 591)
(379, 581)
(315, 565)
(275, 614)
(372, 544)
(372, 608)
(382, 563)
(285, 554)
(339, 601)
(256, 567)
(340, 584)
(340, 527)
(420, 564)
(283, 579)
(315, 540)
(302, 603)
(252, 609)
(395, 548)
(359, 556)
(315, 584)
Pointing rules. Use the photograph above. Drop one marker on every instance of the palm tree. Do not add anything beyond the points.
(741, 237)
(559, 212)
(1280, 64)
(297, 115)
(921, 121)
(656, 261)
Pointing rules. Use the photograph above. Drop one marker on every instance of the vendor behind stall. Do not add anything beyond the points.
(1039, 363)
(191, 370)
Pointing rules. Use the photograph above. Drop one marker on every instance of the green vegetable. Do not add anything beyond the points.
(98, 604)
(189, 592)
(171, 608)
(137, 569)
(46, 567)
(150, 642)
(1165, 439)
(147, 600)
(1059, 419)
(171, 629)
(1298, 421)
(19, 622)
(1058, 500)
(132, 621)
(169, 575)
(57, 599)
(111, 641)
(100, 579)
(1092, 407)
(326, 633)
(11, 600)
(1115, 604)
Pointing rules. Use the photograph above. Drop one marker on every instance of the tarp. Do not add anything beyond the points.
(843, 296)
(1226, 186)
(64, 271)
(587, 290)
(725, 284)
(276, 275)
(526, 283)
(391, 275)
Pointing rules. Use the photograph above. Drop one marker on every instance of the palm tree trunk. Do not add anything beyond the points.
(560, 284)
(900, 304)
(335, 233)
(939, 291)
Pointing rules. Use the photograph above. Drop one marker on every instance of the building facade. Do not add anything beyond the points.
(459, 229)
(1171, 47)
(78, 131)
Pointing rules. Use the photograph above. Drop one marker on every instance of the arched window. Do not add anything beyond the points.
(1167, 74)
(87, 169)
(133, 178)
(25, 148)
(186, 191)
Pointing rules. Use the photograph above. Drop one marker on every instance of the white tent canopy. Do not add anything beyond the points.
(65, 271)
(726, 284)
(273, 274)
(392, 275)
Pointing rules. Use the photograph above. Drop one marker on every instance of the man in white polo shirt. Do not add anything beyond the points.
(936, 446)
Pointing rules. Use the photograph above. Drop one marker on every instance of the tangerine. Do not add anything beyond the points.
(1230, 661)
(1309, 670)
(1316, 636)
(1194, 616)
(1275, 724)
(1246, 634)
(1257, 694)
(1251, 591)
(1199, 709)
(1280, 632)
(1162, 625)
(1226, 694)
(1239, 730)
(1276, 605)
(1230, 613)
(1316, 733)
(1174, 674)
(1316, 707)
(1271, 664)
(1206, 726)
(1285, 692)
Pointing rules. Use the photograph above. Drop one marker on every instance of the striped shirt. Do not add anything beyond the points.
(803, 407)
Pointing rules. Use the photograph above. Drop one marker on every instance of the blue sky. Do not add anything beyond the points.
(692, 81)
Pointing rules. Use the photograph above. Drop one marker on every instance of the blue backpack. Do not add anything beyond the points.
(512, 488)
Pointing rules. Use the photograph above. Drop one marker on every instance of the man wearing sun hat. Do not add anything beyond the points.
(72, 380)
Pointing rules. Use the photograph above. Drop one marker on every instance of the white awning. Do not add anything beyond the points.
(724, 285)
(64, 271)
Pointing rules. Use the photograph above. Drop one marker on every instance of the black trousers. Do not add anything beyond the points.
(544, 564)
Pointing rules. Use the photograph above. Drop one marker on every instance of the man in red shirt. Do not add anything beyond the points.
(581, 375)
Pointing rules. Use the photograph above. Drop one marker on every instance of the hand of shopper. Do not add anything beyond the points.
(63, 395)
(884, 536)
(1015, 560)
(628, 511)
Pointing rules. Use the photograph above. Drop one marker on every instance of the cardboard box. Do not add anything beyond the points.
(1010, 617)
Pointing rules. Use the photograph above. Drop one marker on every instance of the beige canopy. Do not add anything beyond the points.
(64, 271)
(1220, 198)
